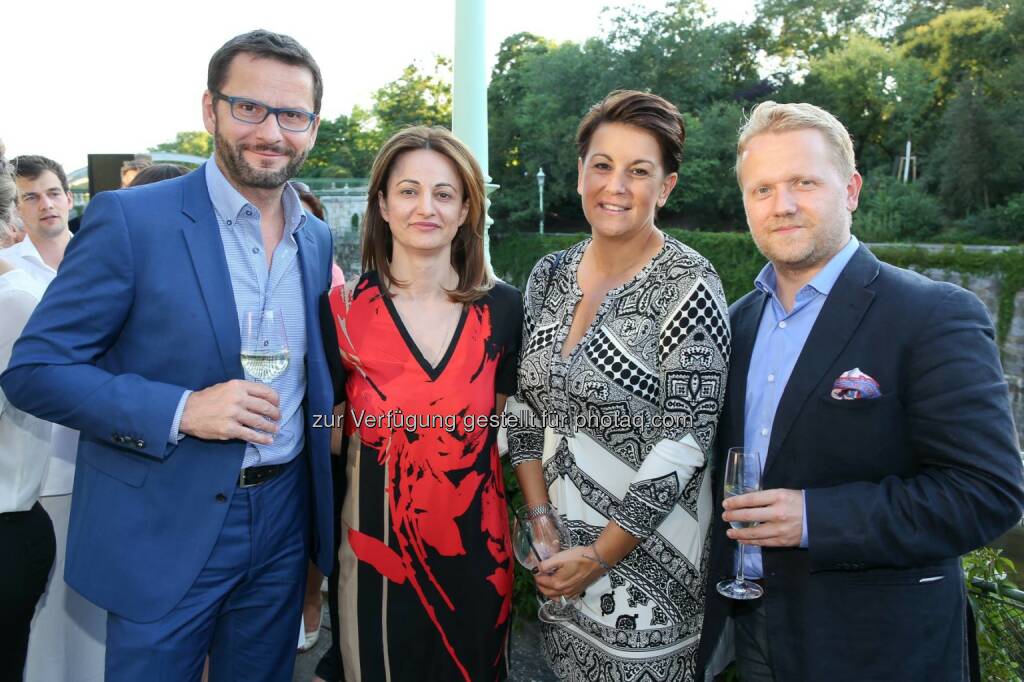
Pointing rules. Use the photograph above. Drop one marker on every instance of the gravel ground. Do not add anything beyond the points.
(527, 659)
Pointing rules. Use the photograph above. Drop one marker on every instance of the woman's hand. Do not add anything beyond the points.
(568, 573)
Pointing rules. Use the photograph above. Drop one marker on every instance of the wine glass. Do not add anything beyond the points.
(536, 537)
(742, 475)
(264, 344)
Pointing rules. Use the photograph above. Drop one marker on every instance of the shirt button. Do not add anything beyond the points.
(764, 432)
(771, 378)
(248, 213)
(255, 249)
(782, 325)
(229, 222)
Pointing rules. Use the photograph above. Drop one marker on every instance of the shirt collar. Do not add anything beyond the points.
(25, 249)
(822, 282)
(229, 202)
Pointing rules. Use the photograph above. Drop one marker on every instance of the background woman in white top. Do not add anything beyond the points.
(26, 533)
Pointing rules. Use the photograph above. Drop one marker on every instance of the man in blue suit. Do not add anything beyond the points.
(877, 402)
(198, 495)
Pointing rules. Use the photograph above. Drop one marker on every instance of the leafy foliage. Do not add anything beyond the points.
(195, 142)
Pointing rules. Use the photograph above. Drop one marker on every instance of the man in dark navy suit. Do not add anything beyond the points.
(878, 405)
(199, 494)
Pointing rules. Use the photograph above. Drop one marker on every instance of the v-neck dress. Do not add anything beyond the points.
(426, 564)
(624, 426)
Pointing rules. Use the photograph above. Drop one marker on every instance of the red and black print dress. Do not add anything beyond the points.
(426, 565)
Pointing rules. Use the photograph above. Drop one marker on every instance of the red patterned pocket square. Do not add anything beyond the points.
(855, 385)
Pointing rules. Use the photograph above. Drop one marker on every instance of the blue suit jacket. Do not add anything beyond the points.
(142, 308)
(897, 487)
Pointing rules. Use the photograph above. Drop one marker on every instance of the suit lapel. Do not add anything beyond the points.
(202, 235)
(744, 321)
(839, 318)
(312, 285)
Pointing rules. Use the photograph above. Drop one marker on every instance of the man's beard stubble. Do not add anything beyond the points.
(247, 176)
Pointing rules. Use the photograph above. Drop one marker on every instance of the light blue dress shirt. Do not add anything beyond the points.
(256, 287)
(780, 338)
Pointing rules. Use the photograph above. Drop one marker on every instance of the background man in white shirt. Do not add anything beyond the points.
(68, 632)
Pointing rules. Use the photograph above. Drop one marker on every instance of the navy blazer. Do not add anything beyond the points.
(141, 309)
(897, 487)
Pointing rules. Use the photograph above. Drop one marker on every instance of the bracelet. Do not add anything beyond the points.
(535, 511)
(598, 560)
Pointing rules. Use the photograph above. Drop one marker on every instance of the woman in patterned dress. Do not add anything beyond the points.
(621, 380)
(429, 342)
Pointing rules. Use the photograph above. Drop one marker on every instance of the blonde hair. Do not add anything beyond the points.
(772, 117)
(475, 275)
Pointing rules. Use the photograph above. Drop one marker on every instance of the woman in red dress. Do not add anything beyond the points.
(429, 342)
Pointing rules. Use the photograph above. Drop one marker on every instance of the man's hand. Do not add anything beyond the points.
(242, 410)
(779, 513)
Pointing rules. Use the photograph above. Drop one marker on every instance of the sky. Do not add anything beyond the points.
(111, 77)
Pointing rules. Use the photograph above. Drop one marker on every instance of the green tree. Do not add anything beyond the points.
(880, 96)
(415, 98)
(345, 147)
(960, 44)
(195, 142)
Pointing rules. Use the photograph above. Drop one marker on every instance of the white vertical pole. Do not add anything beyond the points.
(469, 99)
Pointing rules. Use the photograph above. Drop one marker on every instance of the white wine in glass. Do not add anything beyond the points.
(742, 475)
(264, 345)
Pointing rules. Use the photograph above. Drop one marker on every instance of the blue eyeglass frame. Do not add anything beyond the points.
(276, 111)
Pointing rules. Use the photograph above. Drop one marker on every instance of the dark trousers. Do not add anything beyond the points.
(329, 668)
(244, 605)
(29, 548)
(753, 656)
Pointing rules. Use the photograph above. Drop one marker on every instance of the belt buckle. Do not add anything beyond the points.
(243, 484)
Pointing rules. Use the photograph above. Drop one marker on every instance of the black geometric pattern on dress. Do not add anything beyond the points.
(658, 616)
(694, 400)
(616, 364)
(525, 444)
(647, 503)
(574, 659)
(656, 564)
(541, 338)
(691, 492)
(635, 597)
(607, 603)
(697, 311)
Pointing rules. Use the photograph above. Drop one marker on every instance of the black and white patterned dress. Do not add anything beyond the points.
(624, 426)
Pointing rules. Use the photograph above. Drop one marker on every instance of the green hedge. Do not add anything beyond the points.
(738, 261)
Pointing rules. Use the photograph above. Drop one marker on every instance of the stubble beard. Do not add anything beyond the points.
(258, 178)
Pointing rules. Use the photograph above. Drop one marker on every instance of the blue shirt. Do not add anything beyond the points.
(257, 287)
(780, 338)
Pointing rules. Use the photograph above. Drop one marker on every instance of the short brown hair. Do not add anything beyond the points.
(475, 276)
(643, 110)
(772, 117)
(264, 45)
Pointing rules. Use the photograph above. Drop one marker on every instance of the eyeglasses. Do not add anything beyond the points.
(251, 111)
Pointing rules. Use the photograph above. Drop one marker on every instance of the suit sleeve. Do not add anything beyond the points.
(968, 488)
(53, 373)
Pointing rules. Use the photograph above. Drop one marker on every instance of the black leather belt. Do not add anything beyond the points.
(253, 476)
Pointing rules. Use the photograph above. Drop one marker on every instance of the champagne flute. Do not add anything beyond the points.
(742, 475)
(264, 344)
(537, 537)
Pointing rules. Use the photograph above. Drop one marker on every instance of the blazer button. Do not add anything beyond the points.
(140, 444)
(221, 497)
(116, 437)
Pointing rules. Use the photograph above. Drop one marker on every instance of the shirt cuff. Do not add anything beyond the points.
(803, 535)
(176, 435)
